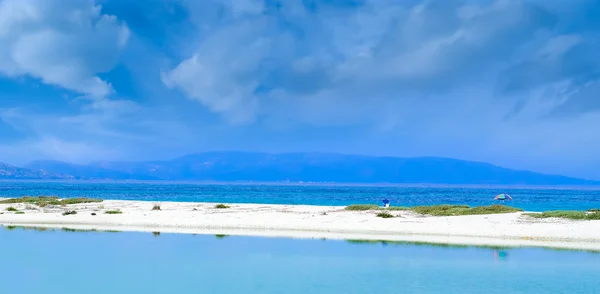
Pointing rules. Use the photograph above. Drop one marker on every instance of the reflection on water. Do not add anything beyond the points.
(33, 260)
(501, 255)
(45, 229)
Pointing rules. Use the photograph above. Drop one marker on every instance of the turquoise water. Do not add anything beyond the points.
(533, 199)
(97, 262)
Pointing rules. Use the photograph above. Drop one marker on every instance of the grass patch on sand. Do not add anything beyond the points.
(43, 201)
(452, 210)
(365, 207)
(385, 215)
(69, 212)
(567, 214)
(116, 211)
(11, 209)
(439, 210)
(19, 212)
(222, 206)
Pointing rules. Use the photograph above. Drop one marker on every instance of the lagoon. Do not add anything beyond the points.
(57, 261)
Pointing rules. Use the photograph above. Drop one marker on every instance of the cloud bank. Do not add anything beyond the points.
(514, 83)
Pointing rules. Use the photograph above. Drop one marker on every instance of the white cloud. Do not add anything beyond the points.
(63, 43)
(257, 65)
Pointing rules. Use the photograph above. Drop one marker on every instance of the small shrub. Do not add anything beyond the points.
(156, 207)
(116, 211)
(93, 213)
(69, 212)
(385, 215)
(11, 209)
(221, 206)
(19, 212)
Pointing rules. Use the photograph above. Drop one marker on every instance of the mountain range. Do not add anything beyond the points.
(293, 167)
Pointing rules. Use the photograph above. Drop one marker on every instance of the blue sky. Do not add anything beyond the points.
(514, 83)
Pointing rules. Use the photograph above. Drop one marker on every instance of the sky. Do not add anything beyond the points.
(513, 83)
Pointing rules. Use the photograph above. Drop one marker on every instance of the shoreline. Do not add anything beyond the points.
(312, 222)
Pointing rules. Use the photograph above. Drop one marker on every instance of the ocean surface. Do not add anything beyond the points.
(531, 199)
(103, 262)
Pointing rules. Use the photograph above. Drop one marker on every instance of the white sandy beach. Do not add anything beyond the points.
(302, 221)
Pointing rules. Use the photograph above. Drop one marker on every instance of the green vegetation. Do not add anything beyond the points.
(567, 214)
(439, 210)
(43, 201)
(452, 210)
(221, 206)
(365, 207)
(221, 236)
(69, 212)
(19, 212)
(116, 211)
(11, 209)
(385, 215)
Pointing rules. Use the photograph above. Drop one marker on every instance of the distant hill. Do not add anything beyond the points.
(307, 167)
(13, 172)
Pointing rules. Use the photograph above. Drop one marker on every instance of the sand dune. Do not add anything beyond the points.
(304, 221)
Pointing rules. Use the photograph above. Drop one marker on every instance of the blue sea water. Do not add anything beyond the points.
(100, 262)
(532, 199)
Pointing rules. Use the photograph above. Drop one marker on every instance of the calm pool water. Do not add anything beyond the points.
(101, 262)
(533, 199)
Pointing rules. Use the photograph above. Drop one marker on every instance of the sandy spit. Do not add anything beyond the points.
(303, 221)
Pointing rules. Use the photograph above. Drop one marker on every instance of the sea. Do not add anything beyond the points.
(66, 261)
(527, 198)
